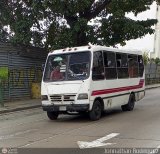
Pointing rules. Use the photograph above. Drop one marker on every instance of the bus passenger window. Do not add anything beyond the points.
(110, 65)
(133, 66)
(122, 65)
(98, 68)
(141, 66)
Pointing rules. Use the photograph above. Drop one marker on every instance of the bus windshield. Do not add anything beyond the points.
(70, 66)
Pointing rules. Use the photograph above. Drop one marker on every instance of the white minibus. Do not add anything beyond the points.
(91, 79)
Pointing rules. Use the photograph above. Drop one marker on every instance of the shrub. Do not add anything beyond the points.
(3, 74)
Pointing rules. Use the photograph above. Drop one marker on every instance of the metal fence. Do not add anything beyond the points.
(152, 74)
(23, 71)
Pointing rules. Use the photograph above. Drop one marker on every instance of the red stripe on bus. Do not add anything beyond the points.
(120, 89)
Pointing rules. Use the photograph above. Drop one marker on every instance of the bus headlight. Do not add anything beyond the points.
(82, 96)
(44, 97)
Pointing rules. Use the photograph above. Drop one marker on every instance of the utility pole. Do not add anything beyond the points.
(156, 50)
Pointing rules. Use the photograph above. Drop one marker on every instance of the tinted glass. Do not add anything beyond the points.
(122, 65)
(110, 65)
(98, 68)
(141, 66)
(133, 66)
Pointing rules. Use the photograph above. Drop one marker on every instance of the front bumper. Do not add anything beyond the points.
(66, 108)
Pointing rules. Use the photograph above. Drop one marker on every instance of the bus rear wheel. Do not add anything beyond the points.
(96, 111)
(52, 115)
(130, 105)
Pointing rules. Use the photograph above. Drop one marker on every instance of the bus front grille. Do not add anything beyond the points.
(60, 98)
(56, 98)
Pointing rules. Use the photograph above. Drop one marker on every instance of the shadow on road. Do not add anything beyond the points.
(84, 118)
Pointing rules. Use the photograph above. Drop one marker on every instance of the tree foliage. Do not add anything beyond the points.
(146, 57)
(157, 61)
(64, 23)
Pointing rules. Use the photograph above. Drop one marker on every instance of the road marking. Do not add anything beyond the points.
(98, 142)
(156, 150)
(16, 134)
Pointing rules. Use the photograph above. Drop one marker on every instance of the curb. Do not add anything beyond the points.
(147, 88)
(19, 109)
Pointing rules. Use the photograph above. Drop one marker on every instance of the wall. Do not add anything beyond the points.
(152, 73)
(23, 72)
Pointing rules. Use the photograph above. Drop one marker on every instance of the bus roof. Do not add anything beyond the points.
(93, 48)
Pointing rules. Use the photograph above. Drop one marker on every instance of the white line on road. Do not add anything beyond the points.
(98, 142)
(154, 151)
(16, 134)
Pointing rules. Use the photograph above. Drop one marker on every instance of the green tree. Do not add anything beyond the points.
(64, 23)
(145, 57)
(157, 61)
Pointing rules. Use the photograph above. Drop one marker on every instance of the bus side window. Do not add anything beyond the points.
(133, 66)
(140, 66)
(98, 68)
(122, 65)
(110, 65)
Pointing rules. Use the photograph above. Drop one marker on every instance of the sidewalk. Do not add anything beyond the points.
(35, 103)
(152, 86)
(20, 105)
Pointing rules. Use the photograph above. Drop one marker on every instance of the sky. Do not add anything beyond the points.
(147, 42)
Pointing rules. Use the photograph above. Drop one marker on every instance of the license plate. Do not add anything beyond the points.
(62, 108)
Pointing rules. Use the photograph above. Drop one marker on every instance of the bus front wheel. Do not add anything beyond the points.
(130, 105)
(52, 115)
(96, 111)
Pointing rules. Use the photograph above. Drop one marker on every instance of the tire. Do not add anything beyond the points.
(52, 115)
(96, 111)
(130, 105)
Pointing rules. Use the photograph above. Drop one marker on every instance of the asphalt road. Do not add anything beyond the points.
(139, 128)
